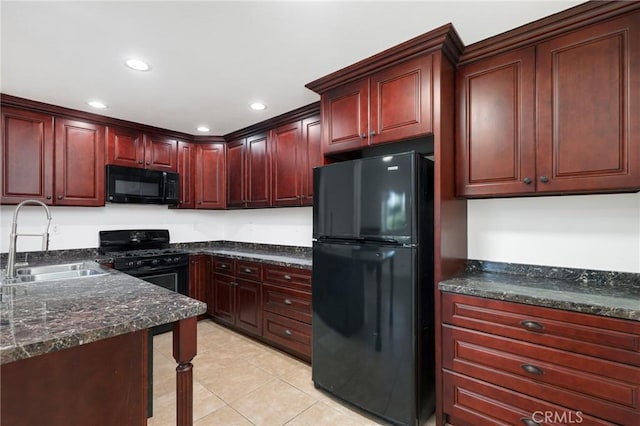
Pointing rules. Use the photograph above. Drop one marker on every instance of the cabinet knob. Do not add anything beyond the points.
(247, 270)
(527, 180)
(48, 197)
(532, 325)
(148, 162)
(373, 133)
(199, 202)
(532, 369)
(59, 197)
(529, 422)
(223, 265)
(544, 179)
(363, 135)
(287, 277)
(140, 161)
(287, 302)
(288, 332)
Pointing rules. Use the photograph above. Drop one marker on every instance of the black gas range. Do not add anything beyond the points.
(145, 254)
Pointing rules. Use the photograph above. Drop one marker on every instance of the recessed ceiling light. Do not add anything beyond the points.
(138, 65)
(203, 129)
(97, 104)
(258, 106)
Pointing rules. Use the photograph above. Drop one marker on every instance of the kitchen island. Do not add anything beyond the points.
(75, 351)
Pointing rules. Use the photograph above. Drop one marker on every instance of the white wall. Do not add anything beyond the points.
(579, 231)
(588, 231)
(77, 227)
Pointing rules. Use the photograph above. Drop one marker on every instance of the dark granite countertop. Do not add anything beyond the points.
(281, 259)
(611, 294)
(47, 316)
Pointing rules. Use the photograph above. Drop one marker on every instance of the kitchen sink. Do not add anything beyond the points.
(58, 272)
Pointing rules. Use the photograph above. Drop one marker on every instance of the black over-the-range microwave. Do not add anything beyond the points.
(132, 185)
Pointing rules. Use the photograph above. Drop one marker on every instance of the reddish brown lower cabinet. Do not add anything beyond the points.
(505, 361)
(200, 279)
(237, 298)
(103, 382)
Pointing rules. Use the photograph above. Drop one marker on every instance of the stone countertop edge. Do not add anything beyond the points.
(44, 317)
(604, 293)
(301, 262)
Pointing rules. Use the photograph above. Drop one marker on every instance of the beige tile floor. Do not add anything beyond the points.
(238, 381)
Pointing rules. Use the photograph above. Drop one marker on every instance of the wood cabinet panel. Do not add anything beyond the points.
(291, 335)
(161, 153)
(125, 147)
(200, 280)
(345, 114)
(26, 156)
(235, 173)
(258, 171)
(289, 303)
(401, 104)
(602, 337)
(473, 402)
(298, 279)
(187, 172)
(224, 265)
(224, 298)
(287, 154)
(496, 141)
(312, 155)
(249, 270)
(210, 182)
(588, 108)
(248, 308)
(79, 168)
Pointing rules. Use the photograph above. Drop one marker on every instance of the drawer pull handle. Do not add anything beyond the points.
(288, 332)
(529, 422)
(287, 277)
(247, 270)
(532, 369)
(532, 325)
(223, 266)
(287, 301)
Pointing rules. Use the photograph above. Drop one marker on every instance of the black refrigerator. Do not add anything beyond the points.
(373, 320)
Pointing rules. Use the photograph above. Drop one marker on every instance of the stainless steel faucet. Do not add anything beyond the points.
(13, 237)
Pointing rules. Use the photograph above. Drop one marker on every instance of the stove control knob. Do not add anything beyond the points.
(176, 259)
(130, 263)
(155, 261)
(139, 263)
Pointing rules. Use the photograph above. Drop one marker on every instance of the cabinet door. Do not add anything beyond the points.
(79, 168)
(286, 153)
(26, 165)
(311, 153)
(495, 138)
(235, 173)
(125, 147)
(401, 101)
(200, 280)
(589, 108)
(223, 298)
(248, 306)
(161, 153)
(258, 177)
(345, 112)
(210, 177)
(187, 172)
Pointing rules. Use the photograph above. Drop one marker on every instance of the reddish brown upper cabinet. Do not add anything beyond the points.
(496, 120)
(186, 170)
(390, 105)
(249, 172)
(26, 156)
(210, 176)
(79, 164)
(561, 116)
(295, 151)
(134, 149)
(61, 164)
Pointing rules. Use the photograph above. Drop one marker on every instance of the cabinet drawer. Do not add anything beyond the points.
(250, 270)
(223, 265)
(290, 334)
(293, 304)
(467, 401)
(607, 389)
(609, 338)
(291, 277)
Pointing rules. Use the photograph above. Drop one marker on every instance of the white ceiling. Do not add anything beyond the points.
(210, 59)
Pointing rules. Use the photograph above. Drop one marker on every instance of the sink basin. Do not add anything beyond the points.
(63, 271)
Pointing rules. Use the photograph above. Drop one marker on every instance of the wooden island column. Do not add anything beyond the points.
(184, 350)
